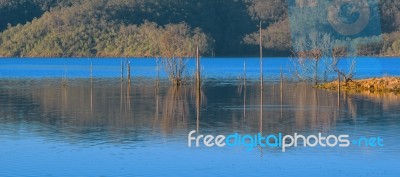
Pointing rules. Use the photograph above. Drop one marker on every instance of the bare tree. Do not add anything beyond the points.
(176, 69)
(313, 57)
(338, 55)
(177, 44)
(317, 58)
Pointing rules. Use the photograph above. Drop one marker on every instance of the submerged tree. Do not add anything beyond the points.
(317, 58)
(312, 57)
(339, 55)
(177, 44)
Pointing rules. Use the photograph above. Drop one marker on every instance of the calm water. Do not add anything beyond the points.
(109, 128)
(221, 68)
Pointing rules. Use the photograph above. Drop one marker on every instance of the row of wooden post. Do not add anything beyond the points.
(128, 71)
(122, 71)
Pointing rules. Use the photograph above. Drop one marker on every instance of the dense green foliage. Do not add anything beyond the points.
(141, 27)
(20, 11)
(91, 31)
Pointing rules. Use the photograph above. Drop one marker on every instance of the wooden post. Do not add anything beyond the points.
(91, 72)
(244, 91)
(64, 79)
(244, 72)
(158, 73)
(338, 82)
(281, 81)
(261, 57)
(198, 68)
(281, 93)
(261, 114)
(129, 72)
(122, 71)
(261, 81)
(338, 91)
(262, 85)
(281, 86)
(91, 87)
(198, 91)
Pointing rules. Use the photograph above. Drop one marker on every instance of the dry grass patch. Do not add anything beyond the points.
(379, 85)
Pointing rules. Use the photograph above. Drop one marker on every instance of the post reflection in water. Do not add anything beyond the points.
(119, 110)
(261, 112)
(91, 98)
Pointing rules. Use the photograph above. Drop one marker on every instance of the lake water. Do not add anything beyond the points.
(112, 128)
(220, 68)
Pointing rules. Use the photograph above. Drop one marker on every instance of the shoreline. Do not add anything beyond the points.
(374, 85)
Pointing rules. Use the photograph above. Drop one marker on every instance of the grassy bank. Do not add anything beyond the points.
(375, 85)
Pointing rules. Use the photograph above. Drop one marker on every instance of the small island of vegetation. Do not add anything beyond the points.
(372, 85)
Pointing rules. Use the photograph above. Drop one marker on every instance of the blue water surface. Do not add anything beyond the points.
(106, 127)
(147, 67)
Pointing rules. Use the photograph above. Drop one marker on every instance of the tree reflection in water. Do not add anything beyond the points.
(176, 108)
(165, 110)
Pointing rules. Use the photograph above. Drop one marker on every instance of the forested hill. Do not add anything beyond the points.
(53, 28)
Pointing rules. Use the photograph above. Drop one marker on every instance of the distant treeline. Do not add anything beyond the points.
(139, 28)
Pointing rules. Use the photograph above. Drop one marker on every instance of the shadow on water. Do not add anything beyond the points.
(124, 111)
